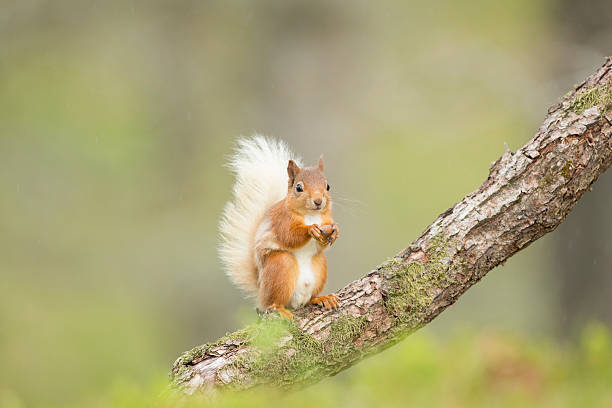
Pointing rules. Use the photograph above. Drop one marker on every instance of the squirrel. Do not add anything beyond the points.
(274, 231)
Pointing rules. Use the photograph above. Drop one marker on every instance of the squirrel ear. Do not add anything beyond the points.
(292, 171)
(321, 165)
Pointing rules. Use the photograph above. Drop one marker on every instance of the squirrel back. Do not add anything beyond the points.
(259, 164)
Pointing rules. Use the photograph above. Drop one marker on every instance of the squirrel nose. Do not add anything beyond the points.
(318, 202)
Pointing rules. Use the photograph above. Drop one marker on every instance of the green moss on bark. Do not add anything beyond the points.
(342, 334)
(554, 172)
(567, 169)
(282, 354)
(600, 96)
(413, 285)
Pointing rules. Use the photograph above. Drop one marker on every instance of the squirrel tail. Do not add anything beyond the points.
(260, 167)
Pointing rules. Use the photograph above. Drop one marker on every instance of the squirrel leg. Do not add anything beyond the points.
(319, 262)
(277, 281)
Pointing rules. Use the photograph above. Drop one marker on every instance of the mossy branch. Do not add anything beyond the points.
(526, 195)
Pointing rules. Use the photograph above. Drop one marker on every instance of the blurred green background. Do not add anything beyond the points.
(116, 118)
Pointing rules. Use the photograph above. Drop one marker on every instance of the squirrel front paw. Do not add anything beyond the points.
(335, 233)
(329, 233)
(316, 233)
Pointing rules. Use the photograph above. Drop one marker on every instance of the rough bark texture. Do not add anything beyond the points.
(527, 194)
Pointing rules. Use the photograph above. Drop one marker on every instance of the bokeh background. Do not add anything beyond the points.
(116, 119)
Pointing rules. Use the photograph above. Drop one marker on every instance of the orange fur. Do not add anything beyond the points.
(328, 301)
(282, 310)
(277, 279)
(288, 232)
(319, 262)
(288, 228)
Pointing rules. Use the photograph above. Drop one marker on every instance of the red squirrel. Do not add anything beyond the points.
(274, 231)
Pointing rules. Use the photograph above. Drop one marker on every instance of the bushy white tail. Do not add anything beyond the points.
(260, 166)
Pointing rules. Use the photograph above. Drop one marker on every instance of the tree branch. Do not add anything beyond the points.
(527, 194)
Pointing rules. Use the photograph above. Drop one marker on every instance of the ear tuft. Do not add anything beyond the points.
(321, 165)
(292, 170)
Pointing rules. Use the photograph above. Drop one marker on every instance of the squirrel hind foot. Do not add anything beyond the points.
(327, 302)
(282, 311)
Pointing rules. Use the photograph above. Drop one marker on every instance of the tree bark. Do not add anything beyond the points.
(526, 195)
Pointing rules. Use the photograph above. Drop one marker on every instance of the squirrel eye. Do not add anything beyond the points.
(328, 187)
(299, 188)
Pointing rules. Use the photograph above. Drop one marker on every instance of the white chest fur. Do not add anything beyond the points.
(310, 219)
(306, 278)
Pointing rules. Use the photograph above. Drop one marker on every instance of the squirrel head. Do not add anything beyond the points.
(308, 190)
